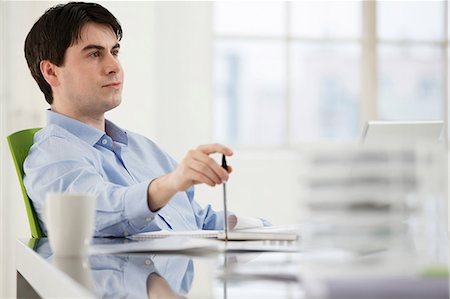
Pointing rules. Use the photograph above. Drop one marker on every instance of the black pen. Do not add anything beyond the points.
(225, 214)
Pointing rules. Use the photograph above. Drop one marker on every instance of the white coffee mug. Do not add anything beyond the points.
(69, 218)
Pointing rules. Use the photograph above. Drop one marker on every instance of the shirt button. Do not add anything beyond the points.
(125, 234)
(104, 141)
(148, 219)
(148, 262)
(169, 218)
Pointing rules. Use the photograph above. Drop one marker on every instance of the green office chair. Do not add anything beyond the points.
(19, 145)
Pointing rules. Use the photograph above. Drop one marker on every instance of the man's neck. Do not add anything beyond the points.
(97, 121)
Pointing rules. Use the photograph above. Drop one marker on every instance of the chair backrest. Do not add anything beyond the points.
(19, 145)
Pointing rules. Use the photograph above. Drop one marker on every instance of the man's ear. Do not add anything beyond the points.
(48, 70)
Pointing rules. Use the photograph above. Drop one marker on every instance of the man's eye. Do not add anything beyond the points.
(95, 54)
(115, 52)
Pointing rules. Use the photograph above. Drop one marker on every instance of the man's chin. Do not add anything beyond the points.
(114, 103)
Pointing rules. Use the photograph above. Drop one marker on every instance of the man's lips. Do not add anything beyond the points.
(115, 85)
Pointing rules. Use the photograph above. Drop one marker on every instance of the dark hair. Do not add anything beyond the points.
(58, 29)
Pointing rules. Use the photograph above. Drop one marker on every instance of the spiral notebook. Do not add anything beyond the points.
(236, 235)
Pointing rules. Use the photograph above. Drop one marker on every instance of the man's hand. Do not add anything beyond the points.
(196, 168)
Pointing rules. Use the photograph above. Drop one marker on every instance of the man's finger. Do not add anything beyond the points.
(215, 148)
(199, 178)
(211, 163)
(205, 170)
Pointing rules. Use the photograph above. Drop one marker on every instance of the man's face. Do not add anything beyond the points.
(91, 77)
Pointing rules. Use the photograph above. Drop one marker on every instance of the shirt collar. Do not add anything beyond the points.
(85, 132)
(116, 133)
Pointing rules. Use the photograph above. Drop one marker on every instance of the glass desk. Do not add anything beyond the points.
(308, 273)
(148, 275)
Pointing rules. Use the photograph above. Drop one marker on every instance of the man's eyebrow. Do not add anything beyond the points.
(98, 47)
(92, 47)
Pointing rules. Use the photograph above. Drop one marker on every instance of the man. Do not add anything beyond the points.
(72, 52)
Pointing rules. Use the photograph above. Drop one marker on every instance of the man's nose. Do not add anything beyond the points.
(112, 64)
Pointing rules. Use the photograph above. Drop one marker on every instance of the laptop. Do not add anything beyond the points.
(403, 132)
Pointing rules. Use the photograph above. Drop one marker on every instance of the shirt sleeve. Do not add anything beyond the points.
(206, 218)
(120, 210)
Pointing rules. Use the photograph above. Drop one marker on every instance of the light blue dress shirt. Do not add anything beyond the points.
(116, 166)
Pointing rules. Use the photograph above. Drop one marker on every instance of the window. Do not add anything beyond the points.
(411, 60)
(293, 72)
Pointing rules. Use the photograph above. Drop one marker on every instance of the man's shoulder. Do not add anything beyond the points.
(53, 138)
(53, 133)
(54, 143)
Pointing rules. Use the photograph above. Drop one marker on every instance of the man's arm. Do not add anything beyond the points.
(196, 168)
(57, 165)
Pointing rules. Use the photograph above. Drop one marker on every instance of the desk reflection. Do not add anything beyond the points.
(130, 276)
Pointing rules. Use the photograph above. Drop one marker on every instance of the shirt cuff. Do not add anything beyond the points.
(244, 222)
(136, 206)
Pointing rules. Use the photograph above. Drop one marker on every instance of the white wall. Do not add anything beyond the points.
(21, 108)
(183, 67)
(2, 118)
(166, 53)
